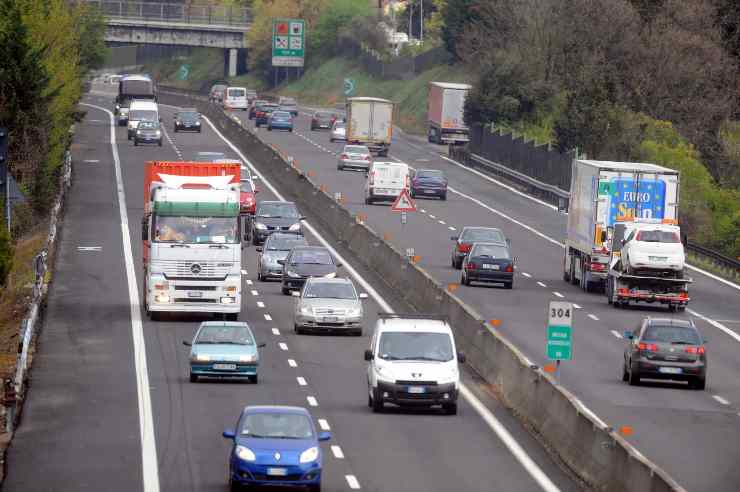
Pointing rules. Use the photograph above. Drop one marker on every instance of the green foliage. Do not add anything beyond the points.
(91, 28)
(457, 17)
(6, 253)
(335, 18)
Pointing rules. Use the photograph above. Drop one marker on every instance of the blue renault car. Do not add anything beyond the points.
(223, 350)
(275, 445)
(280, 120)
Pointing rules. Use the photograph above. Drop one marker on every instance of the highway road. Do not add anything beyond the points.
(111, 408)
(684, 431)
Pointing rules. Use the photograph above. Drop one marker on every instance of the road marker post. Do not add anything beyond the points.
(559, 333)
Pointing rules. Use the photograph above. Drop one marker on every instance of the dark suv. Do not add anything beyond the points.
(664, 348)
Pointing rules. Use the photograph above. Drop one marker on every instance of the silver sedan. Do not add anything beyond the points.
(338, 131)
(329, 304)
(354, 157)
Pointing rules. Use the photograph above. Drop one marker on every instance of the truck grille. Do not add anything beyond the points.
(193, 270)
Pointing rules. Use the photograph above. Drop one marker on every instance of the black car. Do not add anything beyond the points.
(664, 348)
(322, 119)
(262, 113)
(254, 105)
(304, 262)
(429, 182)
(187, 120)
(489, 262)
(274, 216)
(470, 235)
(148, 132)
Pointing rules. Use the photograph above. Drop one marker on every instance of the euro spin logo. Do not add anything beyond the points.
(646, 200)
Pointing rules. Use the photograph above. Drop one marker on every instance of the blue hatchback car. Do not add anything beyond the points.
(223, 349)
(275, 445)
(280, 120)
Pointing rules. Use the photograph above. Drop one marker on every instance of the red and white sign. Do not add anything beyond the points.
(404, 203)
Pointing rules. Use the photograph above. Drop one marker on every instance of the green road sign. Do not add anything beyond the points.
(183, 72)
(559, 331)
(288, 42)
(349, 87)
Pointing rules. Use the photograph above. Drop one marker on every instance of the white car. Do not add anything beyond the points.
(329, 305)
(412, 361)
(385, 181)
(654, 247)
(338, 131)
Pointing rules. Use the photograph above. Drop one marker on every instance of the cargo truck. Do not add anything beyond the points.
(370, 123)
(445, 113)
(191, 238)
(607, 200)
(133, 87)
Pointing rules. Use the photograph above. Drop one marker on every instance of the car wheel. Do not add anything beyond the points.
(193, 378)
(314, 488)
(699, 383)
(234, 486)
(378, 406)
(136, 143)
(297, 329)
(199, 130)
(160, 142)
(260, 277)
(368, 200)
(457, 264)
(443, 197)
(290, 130)
(633, 377)
(509, 285)
(254, 379)
(450, 408)
(625, 374)
(285, 291)
(155, 316)
(464, 279)
(175, 129)
(269, 128)
(357, 332)
(369, 400)
(331, 140)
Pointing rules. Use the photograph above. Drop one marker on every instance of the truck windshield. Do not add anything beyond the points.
(415, 346)
(195, 230)
(141, 114)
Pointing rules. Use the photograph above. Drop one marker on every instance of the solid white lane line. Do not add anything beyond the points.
(249, 282)
(541, 284)
(312, 401)
(292, 363)
(531, 467)
(616, 334)
(577, 306)
(526, 275)
(301, 381)
(275, 331)
(260, 304)
(268, 317)
(423, 211)
(715, 324)
(714, 277)
(593, 317)
(558, 294)
(337, 451)
(255, 293)
(324, 424)
(352, 482)
(149, 467)
(283, 346)
(720, 399)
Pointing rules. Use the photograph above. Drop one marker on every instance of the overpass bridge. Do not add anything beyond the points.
(177, 24)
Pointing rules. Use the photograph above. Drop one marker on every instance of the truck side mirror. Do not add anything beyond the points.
(684, 238)
(144, 229)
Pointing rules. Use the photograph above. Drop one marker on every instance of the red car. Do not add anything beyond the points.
(247, 200)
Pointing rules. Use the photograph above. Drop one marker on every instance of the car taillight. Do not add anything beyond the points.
(695, 350)
(463, 248)
(367, 157)
(471, 266)
(372, 178)
(647, 347)
(509, 268)
(344, 156)
(597, 267)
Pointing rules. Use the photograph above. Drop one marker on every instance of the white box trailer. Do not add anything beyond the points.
(370, 123)
(446, 111)
(603, 194)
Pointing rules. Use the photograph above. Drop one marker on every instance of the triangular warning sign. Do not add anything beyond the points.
(404, 203)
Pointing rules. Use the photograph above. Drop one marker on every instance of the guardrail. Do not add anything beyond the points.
(14, 389)
(718, 259)
(174, 12)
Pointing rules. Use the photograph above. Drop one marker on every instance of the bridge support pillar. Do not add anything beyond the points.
(232, 62)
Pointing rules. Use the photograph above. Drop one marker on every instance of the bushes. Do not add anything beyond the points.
(6, 253)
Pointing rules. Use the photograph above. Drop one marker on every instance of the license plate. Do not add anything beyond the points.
(429, 192)
(331, 319)
(225, 367)
(658, 258)
(670, 370)
(417, 389)
(277, 472)
(487, 266)
(195, 294)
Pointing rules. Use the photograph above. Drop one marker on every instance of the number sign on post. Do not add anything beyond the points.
(559, 331)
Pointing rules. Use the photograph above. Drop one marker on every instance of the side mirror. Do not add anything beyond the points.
(603, 236)
(295, 293)
(281, 262)
(302, 217)
(368, 355)
(160, 120)
(363, 296)
(187, 344)
(258, 249)
(229, 433)
(144, 229)
(256, 190)
(339, 265)
(324, 435)
(628, 335)
(454, 238)
(508, 241)
(461, 358)
(261, 345)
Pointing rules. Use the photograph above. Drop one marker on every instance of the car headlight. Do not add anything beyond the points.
(295, 227)
(306, 310)
(260, 226)
(138, 132)
(246, 454)
(158, 133)
(197, 123)
(330, 275)
(202, 358)
(385, 373)
(247, 358)
(293, 274)
(354, 312)
(309, 455)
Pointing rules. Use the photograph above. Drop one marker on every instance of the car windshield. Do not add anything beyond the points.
(237, 93)
(224, 334)
(283, 244)
(286, 210)
(311, 257)
(246, 186)
(490, 250)
(280, 114)
(415, 346)
(148, 125)
(482, 235)
(188, 115)
(183, 229)
(330, 290)
(671, 334)
(276, 426)
(287, 100)
(142, 114)
(269, 107)
(323, 115)
(427, 173)
(356, 149)
(658, 237)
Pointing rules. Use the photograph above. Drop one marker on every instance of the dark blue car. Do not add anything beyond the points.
(275, 445)
(280, 120)
(429, 182)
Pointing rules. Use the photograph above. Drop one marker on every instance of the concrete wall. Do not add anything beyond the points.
(592, 450)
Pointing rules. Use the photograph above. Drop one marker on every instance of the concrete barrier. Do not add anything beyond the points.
(593, 450)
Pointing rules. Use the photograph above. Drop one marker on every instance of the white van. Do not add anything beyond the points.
(412, 361)
(140, 110)
(385, 181)
(236, 98)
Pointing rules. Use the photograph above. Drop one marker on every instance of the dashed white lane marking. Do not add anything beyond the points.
(312, 401)
(616, 334)
(720, 399)
(423, 211)
(268, 317)
(558, 294)
(255, 293)
(432, 216)
(526, 275)
(352, 482)
(337, 451)
(249, 282)
(593, 317)
(541, 284)
(301, 381)
(442, 222)
(261, 304)
(292, 363)
(577, 306)
(244, 272)
(715, 324)
(89, 248)
(451, 228)
(324, 424)
(275, 331)
(91, 161)
(283, 346)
